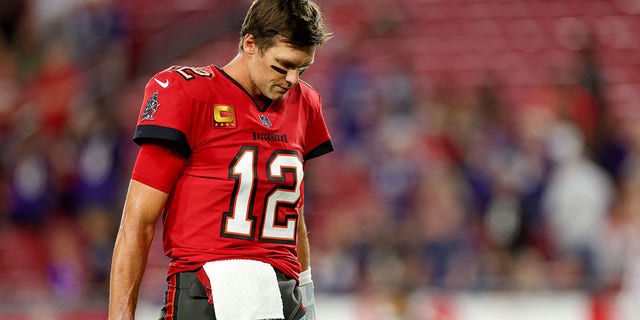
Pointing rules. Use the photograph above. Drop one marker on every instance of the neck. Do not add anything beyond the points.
(237, 69)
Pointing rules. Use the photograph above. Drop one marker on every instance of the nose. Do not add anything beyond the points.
(292, 77)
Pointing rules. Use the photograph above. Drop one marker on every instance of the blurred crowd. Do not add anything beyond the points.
(63, 148)
(436, 184)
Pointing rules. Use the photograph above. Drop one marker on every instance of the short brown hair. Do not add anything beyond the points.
(299, 22)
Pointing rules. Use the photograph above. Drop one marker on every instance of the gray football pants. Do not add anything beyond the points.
(186, 298)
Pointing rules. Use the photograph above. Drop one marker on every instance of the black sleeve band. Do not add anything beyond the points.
(323, 148)
(146, 133)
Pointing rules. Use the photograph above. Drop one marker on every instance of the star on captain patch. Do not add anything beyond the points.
(151, 107)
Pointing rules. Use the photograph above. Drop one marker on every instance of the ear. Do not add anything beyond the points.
(249, 44)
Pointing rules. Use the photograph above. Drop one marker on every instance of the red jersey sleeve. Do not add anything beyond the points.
(317, 137)
(166, 113)
(158, 167)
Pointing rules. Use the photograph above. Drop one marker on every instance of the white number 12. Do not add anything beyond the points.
(239, 222)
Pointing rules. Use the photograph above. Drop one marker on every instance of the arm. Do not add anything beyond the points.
(304, 252)
(142, 208)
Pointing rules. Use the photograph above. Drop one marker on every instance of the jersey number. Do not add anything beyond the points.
(239, 222)
(189, 73)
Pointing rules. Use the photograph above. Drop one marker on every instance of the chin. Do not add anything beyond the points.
(277, 96)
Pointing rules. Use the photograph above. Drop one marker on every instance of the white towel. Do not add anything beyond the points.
(244, 290)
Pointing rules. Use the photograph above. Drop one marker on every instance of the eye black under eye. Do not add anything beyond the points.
(279, 70)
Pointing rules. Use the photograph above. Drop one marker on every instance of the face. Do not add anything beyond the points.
(277, 69)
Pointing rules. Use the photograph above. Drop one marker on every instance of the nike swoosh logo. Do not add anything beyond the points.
(164, 84)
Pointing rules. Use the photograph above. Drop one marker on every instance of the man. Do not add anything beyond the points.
(221, 159)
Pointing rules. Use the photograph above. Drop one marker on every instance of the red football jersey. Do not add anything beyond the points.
(240, 192)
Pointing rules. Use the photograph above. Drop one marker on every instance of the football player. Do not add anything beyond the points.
(222, 158)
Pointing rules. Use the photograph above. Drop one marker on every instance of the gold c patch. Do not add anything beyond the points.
(224, 117)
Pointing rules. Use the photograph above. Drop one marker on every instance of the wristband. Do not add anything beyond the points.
(305, 277)
(306, 291)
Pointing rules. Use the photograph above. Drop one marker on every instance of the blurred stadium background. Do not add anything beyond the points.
(487, 162)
